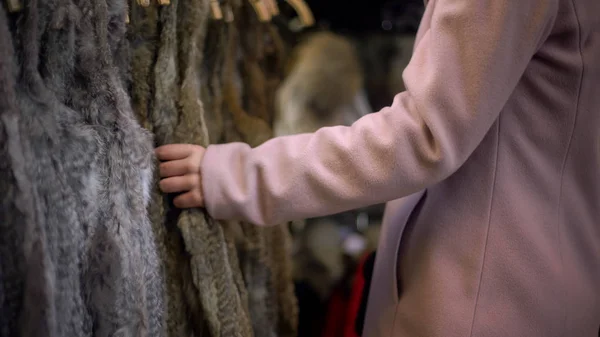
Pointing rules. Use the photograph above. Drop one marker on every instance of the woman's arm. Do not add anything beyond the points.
(461, 74)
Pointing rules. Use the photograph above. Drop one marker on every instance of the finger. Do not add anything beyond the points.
(180, 184)
(173, 151)
(178, 168)
(189, 200)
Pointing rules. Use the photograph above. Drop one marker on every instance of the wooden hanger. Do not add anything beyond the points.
(216, 13)
(14, 5)
(272, 6)
(146, 3)
(262, 11)
(305, 15)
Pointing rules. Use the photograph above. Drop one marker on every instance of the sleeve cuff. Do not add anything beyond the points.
(217, 162)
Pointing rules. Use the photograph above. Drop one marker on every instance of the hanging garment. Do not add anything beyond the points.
(252, 49)
(324, 86)
(54, 142)
(182, 315)
(149, 25)
(223, 293)
(89, 263)
(123, 243)
(360, 285)
(364, 282)
(278, 238)
(142, 33)
(202, 270)
(336, 313)
(17, 213)
(273, 63)
(265, 254)
(215, 49)
(252, 244)
(345, 301)
(279, 244)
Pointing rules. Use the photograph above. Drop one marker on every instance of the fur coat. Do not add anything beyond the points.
(81, 168)
(232, 279)
(80, 253)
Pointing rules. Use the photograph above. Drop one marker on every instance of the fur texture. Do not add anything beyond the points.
(263, 258)
(90, 263)
(16, 215)
(278, 239)
(273, 65)
(166, 77)
(264, 55)
(204, 239)
(203, 274)
(155, 91)
(221, 129)
(124, 283)
(142, 33)
(252, 129)
(214, 52)
(252, 48)
(55, 149)
(253, 246)
(314, 94)
(81, 257)
(148, 26)
(279, 245)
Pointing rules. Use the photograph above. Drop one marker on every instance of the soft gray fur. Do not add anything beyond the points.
(57, 149)
(16, 202)
(124, 285)
(90, 261)
(79, 255)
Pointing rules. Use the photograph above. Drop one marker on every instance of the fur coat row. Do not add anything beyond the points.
(206, 82)
(88, 245)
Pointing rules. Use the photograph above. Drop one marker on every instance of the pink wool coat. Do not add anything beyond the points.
(495, 150)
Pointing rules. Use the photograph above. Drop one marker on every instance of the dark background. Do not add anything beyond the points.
(357, 17)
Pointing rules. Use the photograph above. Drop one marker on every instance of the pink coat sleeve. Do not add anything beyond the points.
(463, 70)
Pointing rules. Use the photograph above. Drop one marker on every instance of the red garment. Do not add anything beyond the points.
(335, 324)
(344, 306)
(355, 299)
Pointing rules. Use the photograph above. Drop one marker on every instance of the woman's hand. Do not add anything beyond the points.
(180, 173)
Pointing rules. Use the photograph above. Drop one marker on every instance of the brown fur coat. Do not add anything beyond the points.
(221, 275)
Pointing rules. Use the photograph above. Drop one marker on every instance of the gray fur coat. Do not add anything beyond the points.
(78, 172)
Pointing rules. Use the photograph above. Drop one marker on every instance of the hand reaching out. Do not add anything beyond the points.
(180, 173)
